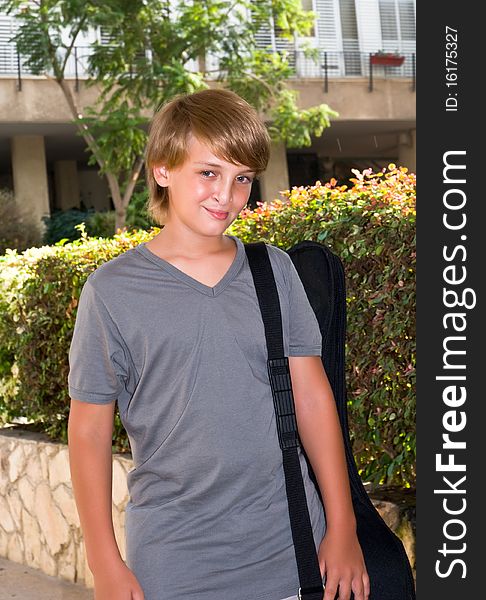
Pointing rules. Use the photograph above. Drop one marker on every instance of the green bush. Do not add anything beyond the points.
(370, 226)
(101, 224)
(39, 292)
(61, 225)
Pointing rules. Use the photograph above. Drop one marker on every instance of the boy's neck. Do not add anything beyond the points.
(189, 243)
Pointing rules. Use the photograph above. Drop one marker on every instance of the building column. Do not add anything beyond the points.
(276, 177)
(30, 175)
(407, 150)
(66, 184)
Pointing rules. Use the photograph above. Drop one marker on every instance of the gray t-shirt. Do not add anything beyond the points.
(207, 517)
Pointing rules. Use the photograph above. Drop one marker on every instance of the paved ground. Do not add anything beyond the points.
(23, 583)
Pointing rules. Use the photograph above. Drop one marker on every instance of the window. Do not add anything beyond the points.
(397, 20)
(349, 29)
(349, 25)
(407, 20)
(388, 18)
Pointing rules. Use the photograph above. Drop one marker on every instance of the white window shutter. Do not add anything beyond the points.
(407, 26)
(349, 28)
(397, 20)
(369, 28)
(8, 51)
(328, 28)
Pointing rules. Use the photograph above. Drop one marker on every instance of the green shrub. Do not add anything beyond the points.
(101, 224)
(61, 225)
(39, 292)
(371, 227)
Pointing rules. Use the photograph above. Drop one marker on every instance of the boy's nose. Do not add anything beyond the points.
(223, 194)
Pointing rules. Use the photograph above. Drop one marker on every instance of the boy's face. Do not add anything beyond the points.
(206, 193)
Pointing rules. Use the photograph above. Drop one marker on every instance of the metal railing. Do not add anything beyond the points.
(351, 64)
(325, 66)
(12, 63)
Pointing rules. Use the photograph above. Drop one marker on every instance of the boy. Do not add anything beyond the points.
(172, 331)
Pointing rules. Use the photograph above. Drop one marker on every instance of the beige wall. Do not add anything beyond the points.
(391, 99)
(41, 101)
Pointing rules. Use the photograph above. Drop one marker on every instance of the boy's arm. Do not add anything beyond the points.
(90, 430)
(322, 438)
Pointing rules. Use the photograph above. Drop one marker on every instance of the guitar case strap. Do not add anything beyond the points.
(310, 580)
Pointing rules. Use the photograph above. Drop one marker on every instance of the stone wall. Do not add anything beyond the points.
(397, 508)
(39, 523)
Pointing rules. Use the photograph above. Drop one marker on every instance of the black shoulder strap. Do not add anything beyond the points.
(311, 587)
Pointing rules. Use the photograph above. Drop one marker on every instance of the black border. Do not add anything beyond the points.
(440, 131)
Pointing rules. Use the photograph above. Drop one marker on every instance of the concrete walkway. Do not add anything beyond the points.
(24, 583)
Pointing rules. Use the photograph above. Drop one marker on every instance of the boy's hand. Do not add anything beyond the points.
(341, 562)
(117, 582)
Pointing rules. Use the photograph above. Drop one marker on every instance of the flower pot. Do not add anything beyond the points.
(392, 60)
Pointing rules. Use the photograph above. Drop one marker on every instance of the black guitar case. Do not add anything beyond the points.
(322, 275)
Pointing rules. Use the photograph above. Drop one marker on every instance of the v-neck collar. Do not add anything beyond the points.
(194, 283)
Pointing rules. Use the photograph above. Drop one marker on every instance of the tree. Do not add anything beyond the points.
(153, 50)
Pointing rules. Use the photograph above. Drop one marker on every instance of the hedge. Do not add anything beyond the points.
(39, 292)
(370, 226)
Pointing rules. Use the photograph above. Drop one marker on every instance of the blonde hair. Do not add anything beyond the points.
(219, 118)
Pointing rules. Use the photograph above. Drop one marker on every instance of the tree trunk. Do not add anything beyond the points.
(120, 218)
(120, 206)
(132, 180)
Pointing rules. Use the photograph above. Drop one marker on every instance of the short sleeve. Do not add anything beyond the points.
(97, 366)
(305, 337)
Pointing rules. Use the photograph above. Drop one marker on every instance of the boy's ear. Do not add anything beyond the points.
(160, 175)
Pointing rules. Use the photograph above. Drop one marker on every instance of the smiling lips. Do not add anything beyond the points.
(217, 214)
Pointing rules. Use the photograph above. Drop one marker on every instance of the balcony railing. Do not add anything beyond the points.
(325, 66)
(352, 64)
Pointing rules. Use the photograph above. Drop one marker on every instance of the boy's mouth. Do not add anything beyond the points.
(217, 214)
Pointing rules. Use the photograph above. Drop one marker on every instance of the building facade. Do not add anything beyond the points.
(45, 162)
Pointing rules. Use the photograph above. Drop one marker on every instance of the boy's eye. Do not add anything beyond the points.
(244, 179)
(207, 173)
